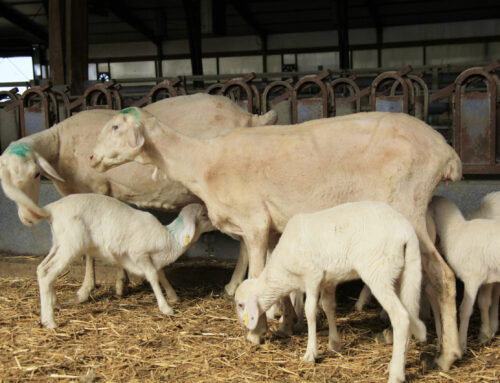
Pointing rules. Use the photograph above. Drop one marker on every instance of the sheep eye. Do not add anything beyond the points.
(241, 305)
(37, 174)
(114, 127)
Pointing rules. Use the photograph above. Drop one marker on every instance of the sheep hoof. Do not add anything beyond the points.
(229, 291)
(384, 336)
(49, 324)
(167, 310)
(253, 338)
(484, 338)
(309, 357)
(334, 346)
(82, 295)
(285, 330)
(444, 361)
(174, 299)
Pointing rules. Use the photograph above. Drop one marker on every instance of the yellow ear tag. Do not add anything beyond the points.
(246, 319)
(187, 239)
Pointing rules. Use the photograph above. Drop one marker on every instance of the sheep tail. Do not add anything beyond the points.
(411, 282)
(37, 213)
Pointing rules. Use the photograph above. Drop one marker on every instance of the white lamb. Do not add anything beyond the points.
(120, 235)
(367, 240)
(472, 249)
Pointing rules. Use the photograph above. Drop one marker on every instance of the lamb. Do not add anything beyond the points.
(472, 249)
(367, 240)
(254, 180)
(62, 154)
(104, 227)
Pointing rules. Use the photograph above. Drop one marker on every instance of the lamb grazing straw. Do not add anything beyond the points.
(367, 240)
(62, 154)
(101, 226)
(472, 249)
(254, 180)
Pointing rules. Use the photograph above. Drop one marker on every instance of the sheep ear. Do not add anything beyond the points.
(135, 138)
(47, 169)
(187, 233)
(251, 313)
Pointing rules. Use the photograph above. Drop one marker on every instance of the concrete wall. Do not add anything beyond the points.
(16, 238)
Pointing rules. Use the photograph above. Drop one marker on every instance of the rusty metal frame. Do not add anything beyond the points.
(243, 84)
(353, 90)
(423, 96)
(110, 91)
(168, 85)
(305, 81)
(276, 84)
(460, 87)
(385, 77)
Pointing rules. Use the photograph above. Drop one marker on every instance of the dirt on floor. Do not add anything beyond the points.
(127, 339)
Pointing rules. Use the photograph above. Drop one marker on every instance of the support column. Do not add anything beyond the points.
(193, 18)
(343, 33)
(76, 44)
(56, 42)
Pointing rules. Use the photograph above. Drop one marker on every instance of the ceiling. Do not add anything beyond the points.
(25, 22)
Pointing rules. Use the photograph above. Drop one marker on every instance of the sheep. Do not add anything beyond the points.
(254, 180)
(62, 154)
(472, 249)
(104, 227)
(317, 251)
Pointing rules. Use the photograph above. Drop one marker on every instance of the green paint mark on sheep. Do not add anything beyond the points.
(176, 225)
(132, 110)
(20, 149)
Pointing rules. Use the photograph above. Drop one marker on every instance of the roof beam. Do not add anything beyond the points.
(242, 9)
(24, 23)
(123, 13)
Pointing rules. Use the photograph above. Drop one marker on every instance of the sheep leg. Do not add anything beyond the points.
(239, 271)
(431, 297)
(470, 292)
(494, 308)
(256, 244)
(297, 298)
(443, 282)
(152, 275)
(311, 307)
(400, 322)
(169, 290)
(329, 304)
(364, 298)
(121, 282)
(289, 316)
(88, 284)
(47, 271)
(484, 303)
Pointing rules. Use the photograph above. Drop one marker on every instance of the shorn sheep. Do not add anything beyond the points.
(102, 226)
(254, 180)
(472, 249)
(367, 240)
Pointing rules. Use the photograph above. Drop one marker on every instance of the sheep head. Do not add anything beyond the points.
(121, 139)
(20, 169)
(248, 310)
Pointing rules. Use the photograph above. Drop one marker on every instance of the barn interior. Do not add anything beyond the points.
(436, 60)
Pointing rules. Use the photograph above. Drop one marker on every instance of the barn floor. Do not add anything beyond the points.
(127, 339)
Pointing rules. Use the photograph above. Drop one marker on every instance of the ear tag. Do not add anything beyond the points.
(246, 319)
(187, 239)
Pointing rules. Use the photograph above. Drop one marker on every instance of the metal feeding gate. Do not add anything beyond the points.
(9, 120)
(99, 96)
(475, 132)
(390, 81)
(38, 109)
(309, 106)
(164, 89)
(278, 97)
(241, 91)
(419, 98)
(344, 97)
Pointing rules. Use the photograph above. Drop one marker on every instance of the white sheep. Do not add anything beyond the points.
(472, 249)
(367, 240)
(104, 227)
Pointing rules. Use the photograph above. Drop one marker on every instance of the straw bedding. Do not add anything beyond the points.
(128, 340)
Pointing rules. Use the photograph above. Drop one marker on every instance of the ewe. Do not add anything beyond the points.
(367, 240)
